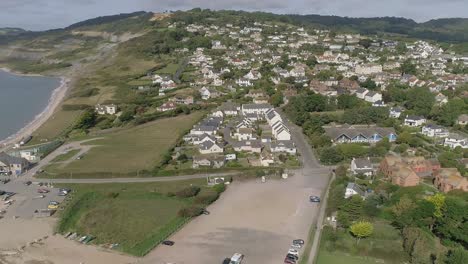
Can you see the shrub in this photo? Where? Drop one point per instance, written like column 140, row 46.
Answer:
column 191, row 211
column 219, row 188
column 207, row 198
column 188, row 192
column 113, row 195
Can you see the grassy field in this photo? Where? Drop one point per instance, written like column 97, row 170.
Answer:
column 325, row 257
column 128, row 151
column 384, row 246
column 134, row 215
column 57, row 123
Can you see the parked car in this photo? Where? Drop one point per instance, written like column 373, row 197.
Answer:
column 168, row 243
column 289, row 261
column 298, row 242
column 292, row 257
column 27, row 183
column 293, row 251
column 296, row 246
column 226, row 261
column 314, row 199
column 42, row 190
column 5, row 181
column 53, row 205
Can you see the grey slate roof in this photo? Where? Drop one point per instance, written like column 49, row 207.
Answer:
column 8, row 160
column 352, row 131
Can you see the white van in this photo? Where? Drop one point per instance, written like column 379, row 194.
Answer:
column 236, row 258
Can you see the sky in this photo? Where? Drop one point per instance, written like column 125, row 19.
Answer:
column 48, row 14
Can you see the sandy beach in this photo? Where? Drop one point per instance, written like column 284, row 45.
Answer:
column 56, row 98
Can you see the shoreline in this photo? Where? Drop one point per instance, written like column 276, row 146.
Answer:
column 57, row 96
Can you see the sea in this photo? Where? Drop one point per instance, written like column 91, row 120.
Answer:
column 22, row 98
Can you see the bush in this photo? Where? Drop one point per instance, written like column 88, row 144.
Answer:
column 171, row 194
column 219, row 188
column 188, row 192
column 191, row 211
column 113, row 195
column 207, row 198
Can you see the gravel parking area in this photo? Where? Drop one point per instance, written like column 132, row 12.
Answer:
column 27, row 199
column 259, row 220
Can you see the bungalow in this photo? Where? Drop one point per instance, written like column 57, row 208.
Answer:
column 167, row 106
column 208, row 147
column 284, row 146
column 248, row 146
column 362, row 166
column 456, row 140
column 203, row 129
column 10, row 165
column 448, row 179
column 354, row 189
column 215, row 161
column 432, row 130
column 359, row 133
column 462, row 120
column 414, row 121
column 199, row 139
column 110, row 109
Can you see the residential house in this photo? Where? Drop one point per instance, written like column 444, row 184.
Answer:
column 182, row 99
column 10, row 165
column 398, row 172
column 414, row 121
column 245, row 134
column 253, row 75
column 230, row 109
column 448, row 179
column 215, row 161
column 110, row 109
column 283, row 146
column 441, row 99
column 272, row 116
column 359, row 133
column 367, row 69
column 362, row 166
column 254, row 146
column 373, row 97
column 244, row 82
column 259, row 109
column 462, row 120
column 280, row 131
column 454, row 140
column 207, row 93
column 354, row 189
column 167, row 106
column 395, row 112
column 209, row 147
column 361, row 93
column 432, row 130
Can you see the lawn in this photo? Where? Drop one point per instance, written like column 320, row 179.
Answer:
column 384, row 245
column 134, row 215
column 128, row 152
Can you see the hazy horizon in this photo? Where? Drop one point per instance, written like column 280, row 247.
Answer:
column 50, row 14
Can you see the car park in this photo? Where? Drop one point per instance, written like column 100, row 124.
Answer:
column 168, row 243
column 314, row 199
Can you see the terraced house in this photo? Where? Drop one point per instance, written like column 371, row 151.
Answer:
column 10, row 165
column 359, row 133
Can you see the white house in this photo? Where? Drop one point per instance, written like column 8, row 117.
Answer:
column 283, row 146
column 244, row 82
column 354, row 189
column 208, row 147
column 414, row 121
column 367, row 69
column 110, row 109
column 432, row 130
column 395, row 112
column 362, row 166
column 280, row 131
column 272, row 116
column 373, row 97
column 361, row 93
column 456, row 140
column 259, row 109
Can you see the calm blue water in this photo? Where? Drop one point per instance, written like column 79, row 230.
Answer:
column 21, row 99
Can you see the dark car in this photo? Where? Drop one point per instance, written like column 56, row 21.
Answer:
column 205, row 212
column 289, row 261
column 226, row 261
column 168, row 243
column 292, row 257
column 298, row 242
column 2, row 192
column 314, row 199
column 5, row 181
column 27, row 183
